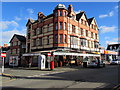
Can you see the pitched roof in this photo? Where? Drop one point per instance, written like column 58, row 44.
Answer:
column 79, row 15
column 49, row 16
column 19, row 37
column 90, row 20
column 31, row 21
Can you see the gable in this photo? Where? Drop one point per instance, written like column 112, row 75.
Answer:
column 83, row 17
column 28, row 23
column 94, row 23
column 14, row 38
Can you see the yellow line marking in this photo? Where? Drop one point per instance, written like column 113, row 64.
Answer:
column 5, row 74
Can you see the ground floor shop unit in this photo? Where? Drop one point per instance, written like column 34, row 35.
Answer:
column 60, row 58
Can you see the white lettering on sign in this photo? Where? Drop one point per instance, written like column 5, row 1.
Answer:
column 3, row 54
column 49, row 54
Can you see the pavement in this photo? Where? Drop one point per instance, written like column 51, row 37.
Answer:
column 34, row 71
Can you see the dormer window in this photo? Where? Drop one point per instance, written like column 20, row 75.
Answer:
column 81, row 21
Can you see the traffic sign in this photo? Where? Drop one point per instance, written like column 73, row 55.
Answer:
column 3, row 54
column 49, row 54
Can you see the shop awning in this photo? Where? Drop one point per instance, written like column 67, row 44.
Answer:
column 32, row 54
column 75, row 54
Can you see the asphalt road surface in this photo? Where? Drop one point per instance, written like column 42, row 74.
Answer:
column 83, row 78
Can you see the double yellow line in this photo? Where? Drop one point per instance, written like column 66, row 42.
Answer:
column 7, row 75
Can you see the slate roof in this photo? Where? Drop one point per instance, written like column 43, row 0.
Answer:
column 78, row 16
column 51, row 15
column 19, row 37
column 90, row 20
column 113, row 45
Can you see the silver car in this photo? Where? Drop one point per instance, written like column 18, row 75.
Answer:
column 116, row 61
column 96, row 63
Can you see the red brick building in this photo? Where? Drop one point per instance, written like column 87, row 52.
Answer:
column 17, row 48
column 63, row 33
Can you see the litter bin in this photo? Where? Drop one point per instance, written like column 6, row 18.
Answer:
column 52, row 65
column 84, row 64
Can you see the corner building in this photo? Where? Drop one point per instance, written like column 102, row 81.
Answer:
column 63, row 33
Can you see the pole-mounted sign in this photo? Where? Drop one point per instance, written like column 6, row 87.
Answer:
column 3, row 54
column 49, row 54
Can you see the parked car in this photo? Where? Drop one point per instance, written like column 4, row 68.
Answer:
column 115, row 61
column 96, row 63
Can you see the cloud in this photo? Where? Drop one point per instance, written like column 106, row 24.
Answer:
column 116, row 7
column 103, row 16
column 29, row 10
column 7, row 35
column 77, row 11
column 105, row 29
column 107, row 37
column 17, row 18
column 6, row 24
column 110, row 14
column 113, row 41
column 30, row 14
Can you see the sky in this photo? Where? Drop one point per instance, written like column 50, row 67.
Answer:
column 15, row 16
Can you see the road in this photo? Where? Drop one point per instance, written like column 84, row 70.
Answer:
column 82, row 78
